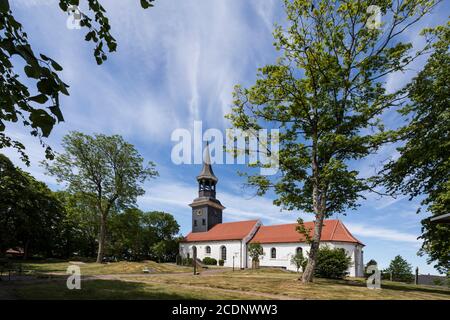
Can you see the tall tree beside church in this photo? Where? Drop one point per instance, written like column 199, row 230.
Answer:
column 326, row 96
column 424, row 163
column 106, row 169
column 37, row 106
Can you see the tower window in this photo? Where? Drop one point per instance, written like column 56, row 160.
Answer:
column 204, row 222
column 195, row 223
column 273, row 253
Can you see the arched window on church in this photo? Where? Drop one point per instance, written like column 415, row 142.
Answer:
column 299, row 250
column 223, row 253
column 273, row 253
column 208, row 250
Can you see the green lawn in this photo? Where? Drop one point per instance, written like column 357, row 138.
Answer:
column 116, row 289
column 43, row 268
column 125, row 280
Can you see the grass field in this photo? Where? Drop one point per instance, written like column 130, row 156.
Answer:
column 44, row 268
column 125, row 280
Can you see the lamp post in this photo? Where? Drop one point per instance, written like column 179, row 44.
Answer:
column 233, row 262
column 194, row 261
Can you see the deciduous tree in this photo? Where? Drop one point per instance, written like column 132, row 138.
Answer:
column 326, row 96
column 255, row 250
column 106, row 169
column 39, row 108
column 423, row 166
column 30, row 214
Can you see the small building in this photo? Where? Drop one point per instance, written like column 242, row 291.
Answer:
column 210, row 237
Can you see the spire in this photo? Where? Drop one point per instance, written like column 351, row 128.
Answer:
column 207, row 172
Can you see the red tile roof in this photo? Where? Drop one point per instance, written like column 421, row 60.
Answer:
column 333, row 230
column 224, row 231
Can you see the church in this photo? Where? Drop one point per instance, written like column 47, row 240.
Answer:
column 211, row 237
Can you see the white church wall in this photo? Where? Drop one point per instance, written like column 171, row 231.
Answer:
column 285, row 251
column 234, row 248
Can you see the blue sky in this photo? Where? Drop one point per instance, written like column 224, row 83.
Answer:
column 176, row 63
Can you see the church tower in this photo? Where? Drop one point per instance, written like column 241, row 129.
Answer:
column 206, row 209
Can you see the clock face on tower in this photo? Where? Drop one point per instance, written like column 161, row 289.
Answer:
column 198, row 212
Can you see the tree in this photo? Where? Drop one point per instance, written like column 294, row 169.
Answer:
column 400, row 270
column 163, row 224
column 371, row 262
column 80, row 226
column 332, row 263
column 325, row 96
column 105, row 169
column 162, row 229
column 423, row 166
column 30, row 214
column 298, row 260
column 255, row 250
column 41, row 111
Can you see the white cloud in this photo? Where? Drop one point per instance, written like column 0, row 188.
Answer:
column 380, row 233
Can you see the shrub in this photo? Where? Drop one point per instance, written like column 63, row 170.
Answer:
column 299, row 261
column 210, row 261
column 332, row 263
column 221, row 262
column 255, row 250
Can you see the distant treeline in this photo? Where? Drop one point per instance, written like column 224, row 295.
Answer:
column 62, row 224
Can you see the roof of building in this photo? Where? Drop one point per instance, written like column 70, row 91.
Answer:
column 443, row 218
column 333, row 230
column 224, row 231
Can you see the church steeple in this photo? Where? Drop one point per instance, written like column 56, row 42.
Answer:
column 207, row 181
column 206, row 209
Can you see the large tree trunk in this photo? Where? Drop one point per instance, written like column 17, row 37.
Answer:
column 101, row 239
column 308, row 273
column 318, row 198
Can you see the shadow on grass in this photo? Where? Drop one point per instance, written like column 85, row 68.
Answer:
column 96, row 290
column 392, row 286
column 411, row 288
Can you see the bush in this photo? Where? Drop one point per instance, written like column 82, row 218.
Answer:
column 221, row 262
column 332, row 263
column 210, row 261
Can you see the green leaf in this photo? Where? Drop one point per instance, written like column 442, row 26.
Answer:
column 57, row 112
column 41, row 119
column 4, row 6
column 146, row 4
column 44, row 57
column 46, row 86
column 40, row 98
column 56, row 66
column 32, row 71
